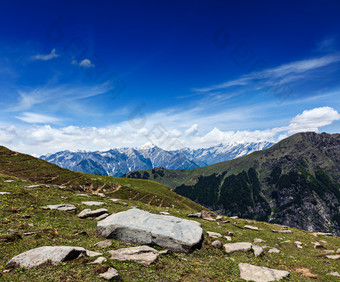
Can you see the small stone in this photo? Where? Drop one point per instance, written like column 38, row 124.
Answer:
column 4, row 193
column 230, row 233
column 228, row 238
column 237, row 247
column 114, row 200
column 11, row 231
column 333, row 256
column 9, row 181
column 274, row 250
column 326, row 252
column 219, row 217
column 338, row 251
column 92, row 254
column 198, row 215
column 257, row 240
column 251, row 227
column 92, row 213
column 336, row 274
column 63, row 197
column 82, row 195
column 103, row 244
column 164, row 252
column 251, row 272
column 298, row 243
column 317, row 245
column 234, row 217
column 214, row 234
column 217, row 244
column 287, row 241
column 258, row 250
column 208, row 215
column 109, row 274
column 103, row 216
column 91, row 203
column 282, row 231
column 165, row 213
column 60, row 207
column 230, row 258
column 29, row 233
column 99, row 260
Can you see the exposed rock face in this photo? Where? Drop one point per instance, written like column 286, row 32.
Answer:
column 38, row 256
column 61, row 207
column 141, row 227
column 251, row 272
column 142, row 254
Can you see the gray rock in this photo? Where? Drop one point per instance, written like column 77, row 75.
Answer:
column 333, row 256
column 103, row 244
column 164, row 252
column 326, row 252
column 338, row 251
column 141, row 227
column 336, row 274
column 92, row 254
column 274, row 250
column 103, row 216
column 142, row 254
column 257, row 240
column 251, row 227
column 9, row 181
column 109, row 274
column 217, row 244
column 165, row 213
column 258, row 250
column 114, row 200
column 230, row 233
column 61, row 207
column 38, row 256
column 251, row 272
column 237, row 247
column 214, row 234
column 92, row 213
column 228, row 238
column 99, row 260
column 4, row 193
column 82, row 195
column 91, row 203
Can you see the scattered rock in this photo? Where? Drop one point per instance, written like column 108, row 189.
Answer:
column 317, row 245
column 92, row 213
column 207, row 215
column 9, row 181
column 298, row 244
column 91, row 203
column 32, row 186
column 142, row 254
column 333, row 256
column 164, row 252
column 258, row 250
column 38, row 256
column 60, row 207
column 99, row 260
column 257, row 240
column 251, row 272
column 82, row 195
column 274, row 250
column 228, row 238
column 251, row 227
column 63, row 197
column 326, row 252
column 234, row 217
column 103, row 216
column 198, row 215
column 316, row 234
column 103, row 244
column 4, row 193
column 214, row 234
column 109, row 274
column 30, row 233
column 336, row 274
column 217, row 244
column 237, row 247
column 230, row 233
column 114, row 200
column 225, row 221
column 11, row 231
column 219, row 217
column 92, row 254
column 102, row 195
column 230, row 258
column 165, row 213
column 138, row 226
column 82, row 232
column 283, row 231
column 338, row 251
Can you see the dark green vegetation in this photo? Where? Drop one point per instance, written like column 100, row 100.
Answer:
column 295, row 182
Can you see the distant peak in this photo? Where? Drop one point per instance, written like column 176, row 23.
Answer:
column 148, row 146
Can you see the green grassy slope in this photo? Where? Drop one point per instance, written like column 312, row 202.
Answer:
column 39, row 171
column 21, row 211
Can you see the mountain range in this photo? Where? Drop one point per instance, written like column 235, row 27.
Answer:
column 295, row 182
column 119, row 161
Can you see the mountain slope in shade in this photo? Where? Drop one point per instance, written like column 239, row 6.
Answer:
column 295, row 182
column 117, row 162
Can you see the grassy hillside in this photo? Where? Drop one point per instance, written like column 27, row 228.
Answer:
column 21, row 211
column 39, row 171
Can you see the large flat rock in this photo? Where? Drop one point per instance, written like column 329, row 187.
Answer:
column 141, row 227
column 41, row 255
column 60, row 207
column 255, row 273
column 237, row 247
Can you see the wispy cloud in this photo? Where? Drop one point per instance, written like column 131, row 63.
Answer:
column 287, row 72
column 38, row 118
column 86, row 63
column 46, row 57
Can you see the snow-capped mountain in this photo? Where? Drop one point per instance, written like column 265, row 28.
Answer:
column 117, row 162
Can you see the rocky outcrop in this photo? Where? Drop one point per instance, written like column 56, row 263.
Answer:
column 141, row 227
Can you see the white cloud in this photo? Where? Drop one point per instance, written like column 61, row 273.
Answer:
column 40, row 139
column 37, row 118
column 47, row 57
column 86, row 63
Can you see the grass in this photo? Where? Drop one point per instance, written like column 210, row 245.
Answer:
column 22, row 208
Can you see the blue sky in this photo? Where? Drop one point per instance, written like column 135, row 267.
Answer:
column 94, row 75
